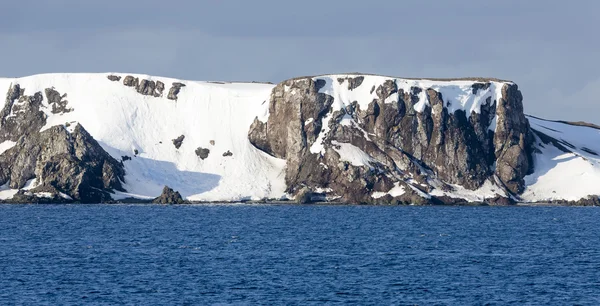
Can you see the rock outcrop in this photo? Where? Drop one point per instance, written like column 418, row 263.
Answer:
column 177, row 142
column 144, row 86
column 72, row 163
column 57, row 101
column 174, row 91
column 114, row 78
column 337, row 134
column 21, row 114
column 169, row 196
column 202, row 152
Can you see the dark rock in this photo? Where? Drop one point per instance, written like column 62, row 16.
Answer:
column 178, row 141
column 353, row 83
column 174, row 91
column 500, row 200
column 72, row 163
column 144, row 86
column 212, row 142
column 21, row 114
column 131, row 81
column 202, row 153
column 125, row 158
column 159, row 88
column 227, row 154
column 57, row 101
column 114, row 78
column 513, row 140
column 169, row 196
column 136, row 152
column 429, row 146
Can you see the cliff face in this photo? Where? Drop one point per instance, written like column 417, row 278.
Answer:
column 370, row 139
column 351, row 138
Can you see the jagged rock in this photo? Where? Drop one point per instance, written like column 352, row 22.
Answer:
column 169, row 196
column 114, row 78
column 159, row 88
column 202, row 152
column 57, row 101
column 353, row 83
column 131, row 81
column 227, row 154
column 146, row 87
column 403, row 144
column 72, row 163
column 21, row 114
column 177, row 142
column 212, row 142
column 174, row 91
column 125, row 158
column 513, row 141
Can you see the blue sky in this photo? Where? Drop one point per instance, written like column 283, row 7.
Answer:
column 550, row 48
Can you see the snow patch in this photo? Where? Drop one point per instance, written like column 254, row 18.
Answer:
column 6, row 145
column 396, row 191
column 352, row 154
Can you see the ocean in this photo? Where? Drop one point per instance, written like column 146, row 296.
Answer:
column 298, row 255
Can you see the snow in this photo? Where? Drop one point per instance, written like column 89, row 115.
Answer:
column 423, row 102
column 562, row 175
column 122, row 120
column 6, row 192
column 44, row 195
column 352, row 154
column 6, row 145
column 488, row 190
column 396, row 191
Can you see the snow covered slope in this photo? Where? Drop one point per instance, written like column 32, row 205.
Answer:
column 215, row 116
column 567, row 162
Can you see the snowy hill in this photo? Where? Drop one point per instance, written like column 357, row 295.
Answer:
column 567, row 162
column 397, row 139
column 124, row 121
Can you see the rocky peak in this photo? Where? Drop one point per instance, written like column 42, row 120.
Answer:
column 70, row 162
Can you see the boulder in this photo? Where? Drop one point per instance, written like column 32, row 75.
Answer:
column 202, row 152
column 169, row 196
column 177, row 142
column 174, row 91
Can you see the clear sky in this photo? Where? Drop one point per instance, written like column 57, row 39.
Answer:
column 550, row 48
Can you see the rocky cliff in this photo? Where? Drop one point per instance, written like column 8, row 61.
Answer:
column 351, row 138
column 364, row 138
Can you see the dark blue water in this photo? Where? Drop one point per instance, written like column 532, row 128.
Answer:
column 151, row 255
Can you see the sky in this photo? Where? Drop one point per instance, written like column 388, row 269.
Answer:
column 549, row 48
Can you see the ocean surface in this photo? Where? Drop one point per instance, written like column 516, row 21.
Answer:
column 298, row 255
